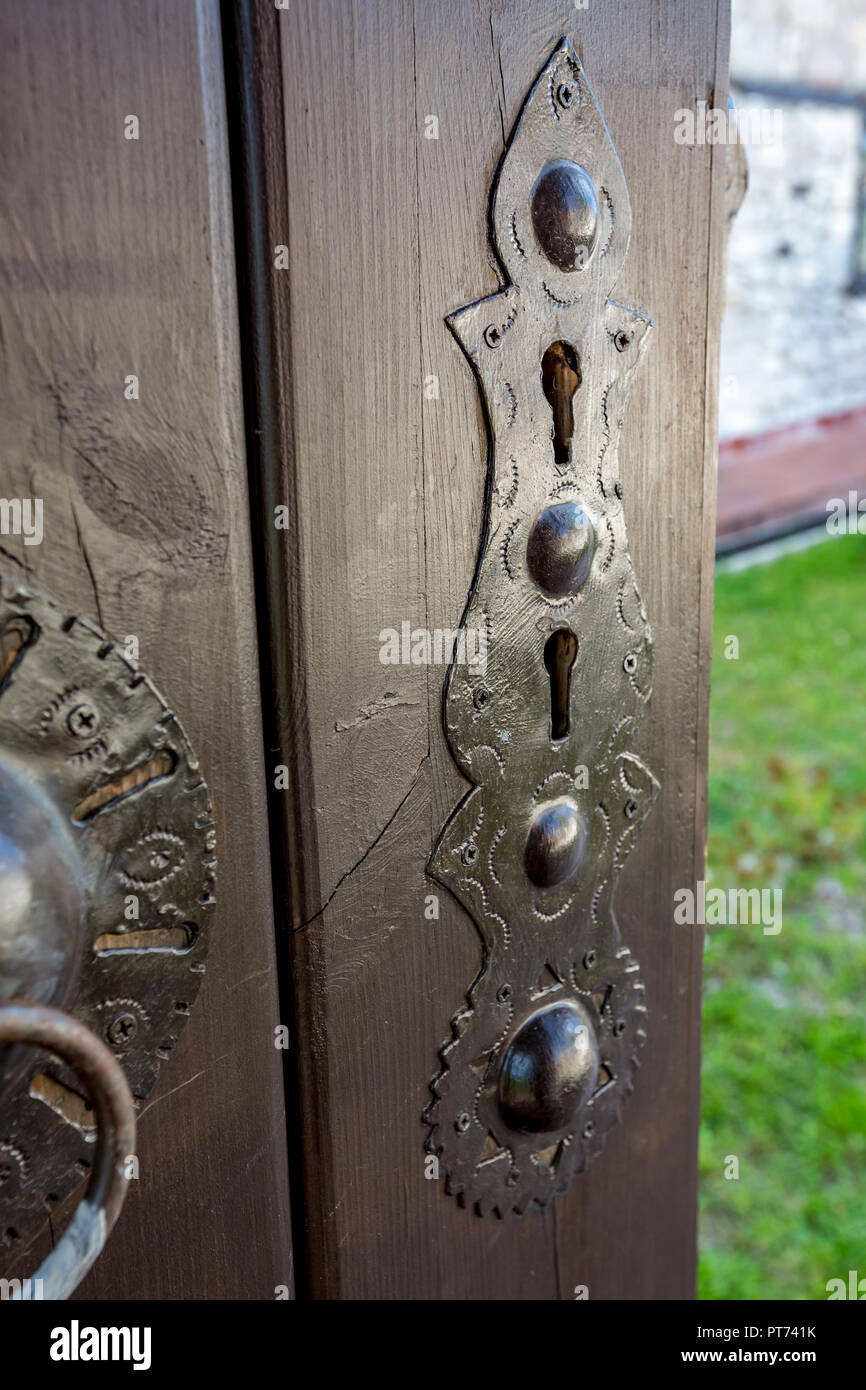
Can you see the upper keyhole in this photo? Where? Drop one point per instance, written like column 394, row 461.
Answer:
column 560, row 378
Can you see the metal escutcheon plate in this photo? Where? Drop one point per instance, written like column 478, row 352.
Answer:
column 107, row 857
column 544, row 1053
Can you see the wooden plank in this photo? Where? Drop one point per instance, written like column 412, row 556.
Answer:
column 117, row 258
column 387, row 232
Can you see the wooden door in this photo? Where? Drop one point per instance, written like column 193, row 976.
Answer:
column 384, row 233
column 117, row 260
column 273, row 257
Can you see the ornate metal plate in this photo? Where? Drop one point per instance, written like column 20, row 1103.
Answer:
column 544, row 1054
column 113, row 857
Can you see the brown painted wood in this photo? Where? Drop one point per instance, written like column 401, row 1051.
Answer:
column 387, row 232
column 116, row 257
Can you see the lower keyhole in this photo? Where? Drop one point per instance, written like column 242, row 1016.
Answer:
column 560, row 651
column 560, row 378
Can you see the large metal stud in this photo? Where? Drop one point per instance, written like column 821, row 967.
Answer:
column 564, row 207
column 550, row 1069
column 560, row 549
column 555, row 844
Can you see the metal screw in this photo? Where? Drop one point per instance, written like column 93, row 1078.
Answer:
column 565, row 95
column 622, row 340
column 513, row 1178
column 503, row 994
column 619, row 1028
column 461, row 1124
column 469, row 854
column 629, row 665
column 630, row 808
column 492, row 336
column 481, row 698
column 122, row 1029
column 588, row 1130
column 83, row 721
column 589, row 960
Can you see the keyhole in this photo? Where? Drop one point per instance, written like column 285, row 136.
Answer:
column 560, row 378
column 560, row 651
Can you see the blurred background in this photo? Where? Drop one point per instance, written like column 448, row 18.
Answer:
column 784, row 1071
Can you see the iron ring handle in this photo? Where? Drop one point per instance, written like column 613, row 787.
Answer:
column 22, row 1021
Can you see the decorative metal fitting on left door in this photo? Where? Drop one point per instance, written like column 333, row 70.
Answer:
column 544, row 1053
column 107, row 880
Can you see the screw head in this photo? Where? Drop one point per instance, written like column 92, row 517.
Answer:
column 492, row 335
column 630, row 808
column 83, row 720
column 469, row 854
column 629, row 665
column 565, row 95
column 589, row 960
column 122, row 1029
column 481, row 698
column 461, row 1124
column 588, row 1130
column 622, row 340
column 503, row 994
column 618, row 1028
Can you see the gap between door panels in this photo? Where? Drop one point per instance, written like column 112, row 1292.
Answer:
column 253, row 82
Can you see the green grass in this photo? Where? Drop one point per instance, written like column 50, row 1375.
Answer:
column 784, row 1034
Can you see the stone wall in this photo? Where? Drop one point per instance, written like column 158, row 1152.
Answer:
column 794, row 338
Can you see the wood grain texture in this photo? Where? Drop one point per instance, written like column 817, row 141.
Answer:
column 387, row 233
column 116, row 257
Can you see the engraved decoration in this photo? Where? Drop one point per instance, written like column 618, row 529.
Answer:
column 107, row 858
column 545, row 1050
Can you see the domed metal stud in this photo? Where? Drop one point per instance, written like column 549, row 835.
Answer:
column 550, row 1069
column 564, row 209
column 560, row 549
column 555, row 844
